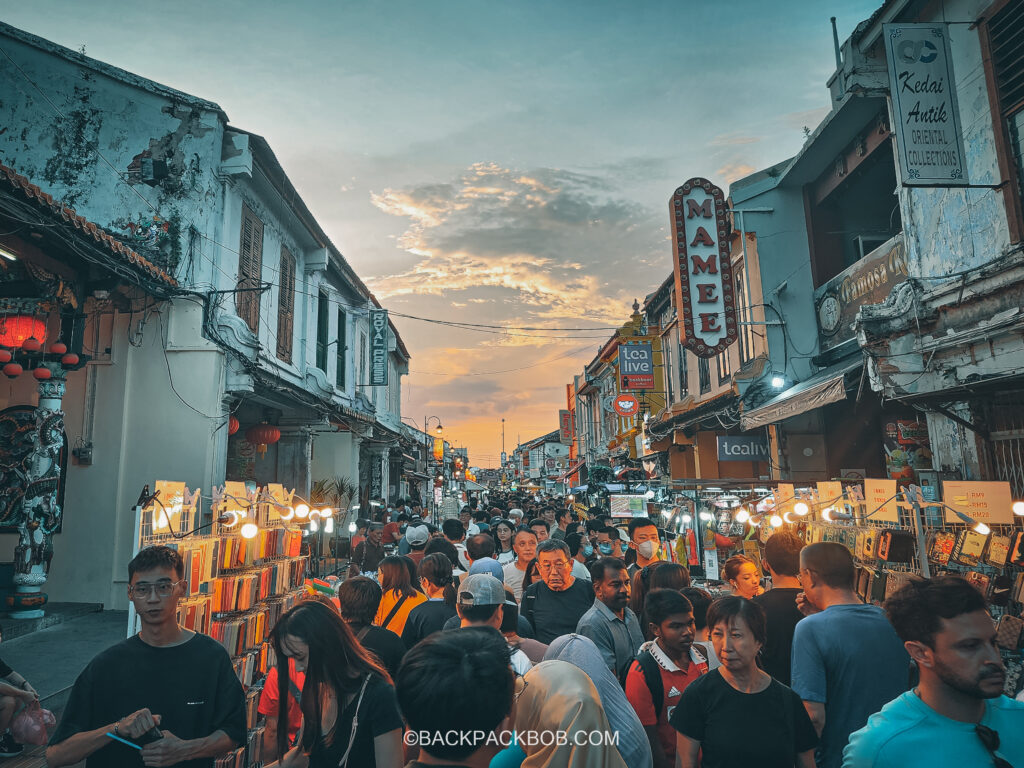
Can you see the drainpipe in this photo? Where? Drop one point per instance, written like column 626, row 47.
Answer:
column 839, row 58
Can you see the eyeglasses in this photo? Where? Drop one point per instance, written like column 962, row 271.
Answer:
column 990, row 739
column 520, row 687
column 559, row 564
column 162, row 588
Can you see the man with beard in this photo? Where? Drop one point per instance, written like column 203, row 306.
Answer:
column 957, row 715
column 610, row 623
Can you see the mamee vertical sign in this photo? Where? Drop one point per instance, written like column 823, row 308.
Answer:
column 565, row 427
column 927, row 120
column 378, row 347
column 636, row 366
column 704, row 285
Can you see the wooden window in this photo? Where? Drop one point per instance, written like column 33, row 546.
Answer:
column 286, row 306
column 744, row 315
column 724, row 365
column 339, row 376
column 1003, row 57
column 684, row 377
column 322, row 306
column 704, row 374
column 250, row 270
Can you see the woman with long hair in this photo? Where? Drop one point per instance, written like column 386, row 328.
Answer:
column 531, row 575
column 503, row 531
column 743, row 576
column 438, row 585
column 400, row 596
column 350, row 716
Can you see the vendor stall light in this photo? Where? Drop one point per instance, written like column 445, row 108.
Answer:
column 787, row 516
column 229, row 518
column 352, row 527
column 571, row 497
column 776, row 521
column 249, row 530
column 801, row 508
column 287, row 514
column 305, row 531
column 979, row 527
column 302, row 511
column 686, row 519
column 706, row 516
column 329, row 525
column 778, row 382
column 326, row 512
column 9, row 255
column 742, row 515
column 1018, row 508
column 314, row 526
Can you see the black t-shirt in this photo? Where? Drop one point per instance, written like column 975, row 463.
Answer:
column 524, row 630
column 192, row 686
column 4, row 669
column 553, row 614
column 378, row 714
column 782, row 615
column 426, row 619
column 773, row 725
column 385, row 645
column 367, row 556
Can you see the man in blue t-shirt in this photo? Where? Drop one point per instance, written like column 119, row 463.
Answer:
column 847, row 660
column 957, row 715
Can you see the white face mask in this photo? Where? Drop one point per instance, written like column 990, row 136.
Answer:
column 647, row 549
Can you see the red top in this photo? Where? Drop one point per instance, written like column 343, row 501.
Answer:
column 392, row 533
column 268, row 699
column 674, row 682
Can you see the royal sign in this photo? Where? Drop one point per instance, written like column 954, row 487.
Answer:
column 626, row 405
column 378, row 348
column 704, row 286
column 636, row 366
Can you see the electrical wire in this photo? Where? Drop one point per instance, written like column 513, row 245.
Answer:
column 507, row 370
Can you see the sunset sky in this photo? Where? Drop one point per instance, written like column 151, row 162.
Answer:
column 501, row 163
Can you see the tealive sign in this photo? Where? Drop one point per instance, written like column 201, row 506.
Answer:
column 704, row 286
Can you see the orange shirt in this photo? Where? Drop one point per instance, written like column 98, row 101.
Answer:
column 268, row 698
column 397, row 623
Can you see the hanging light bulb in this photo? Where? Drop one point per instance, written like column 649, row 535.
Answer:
column 801, row 508
column 314, row 526
column 826, row 514
column 1018, row 508
column 326, row 512
column 302, row 511
column 983, row 529
column 249, row 530
column 352, row 527
column 686, row 519
column 329, row 525
column 776, row 521
column 742, row 515
column 288, row 514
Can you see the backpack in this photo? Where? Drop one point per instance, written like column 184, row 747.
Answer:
column 652, row 675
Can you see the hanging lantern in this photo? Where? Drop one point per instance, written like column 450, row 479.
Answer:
column 262, row 435
column 5, row 355
column 31, row 344
column 42, row 373
column 15, row 330
column 13, row 370
column 233, row 425
column 69, row 359
column 58, row 348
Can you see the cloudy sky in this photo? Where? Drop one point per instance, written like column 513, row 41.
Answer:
column 500, row 163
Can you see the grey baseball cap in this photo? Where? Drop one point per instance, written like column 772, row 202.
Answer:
column 481, row 589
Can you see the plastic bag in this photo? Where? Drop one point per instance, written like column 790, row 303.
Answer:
column 30, row 725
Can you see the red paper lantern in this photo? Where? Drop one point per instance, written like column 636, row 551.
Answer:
column 13, row 370
column 15, row 329
column 5, row 356
column 69, row 359
column 233, row 425
column 58, row 348
column 42, row 373
column 262, row 435
column 31, row 344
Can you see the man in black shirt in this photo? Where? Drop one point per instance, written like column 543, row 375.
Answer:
column 15, row 693
column 165, row 677
column 360, row 597
column 555, row 605
column 370, row 551
column 782, row 557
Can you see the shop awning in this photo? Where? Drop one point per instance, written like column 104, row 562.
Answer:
column 827, row 386
column 572, row 470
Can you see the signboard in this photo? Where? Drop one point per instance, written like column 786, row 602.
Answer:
column 785, row 497
column 626, row 404
column 879, row 493
column 379, row 347
column 627, row 505
column 907, row 449
column 565, row 427
column 830, row 493
column 868, row 281
column 986, row 501
column 438, row 495
column 742, row 448
column 929, row 140
column 704, row 284
column 438, row 448
column 636, row 366
column 504, row 457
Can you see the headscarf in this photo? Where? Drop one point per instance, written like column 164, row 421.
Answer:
column 560, row 697
column 581, row 652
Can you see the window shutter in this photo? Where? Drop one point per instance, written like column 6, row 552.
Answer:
column 250, row 270
column 341, row 348
column 286, row 307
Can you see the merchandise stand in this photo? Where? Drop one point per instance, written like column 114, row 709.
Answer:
column 237, row 587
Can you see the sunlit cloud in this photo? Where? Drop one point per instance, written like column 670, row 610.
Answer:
column 730, row 172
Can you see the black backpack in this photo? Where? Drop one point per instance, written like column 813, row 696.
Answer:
column 652, row 675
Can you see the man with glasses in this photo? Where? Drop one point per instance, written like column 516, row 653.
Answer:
column 958, row 714
column 555, row 605
column 170, row 690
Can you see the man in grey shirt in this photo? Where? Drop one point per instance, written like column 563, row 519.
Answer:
column 610, row 623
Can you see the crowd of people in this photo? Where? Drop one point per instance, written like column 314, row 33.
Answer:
column 515, row 635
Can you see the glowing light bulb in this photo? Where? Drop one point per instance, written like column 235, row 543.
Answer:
column 776, row 521
column 314, row 526
column 826, row 514
column 233, row 516
column 329, row 525
column 326, row 512
column 983, row 529
column 742, row 515
column 289, row 516
column 302, row 511
column 352, row 527
column 249, row 530
column 786, row 516
column 1018, row 508
column 801, row 508
column 686, row 519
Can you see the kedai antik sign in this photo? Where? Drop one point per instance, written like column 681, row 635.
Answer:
column 704, row 285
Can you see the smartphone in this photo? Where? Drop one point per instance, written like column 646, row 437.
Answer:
column 153, row 734
column 510, row 617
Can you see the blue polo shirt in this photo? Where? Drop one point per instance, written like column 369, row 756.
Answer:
column 909, row 732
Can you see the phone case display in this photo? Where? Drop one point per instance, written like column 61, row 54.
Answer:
column 998, row 550
column 941, row 547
